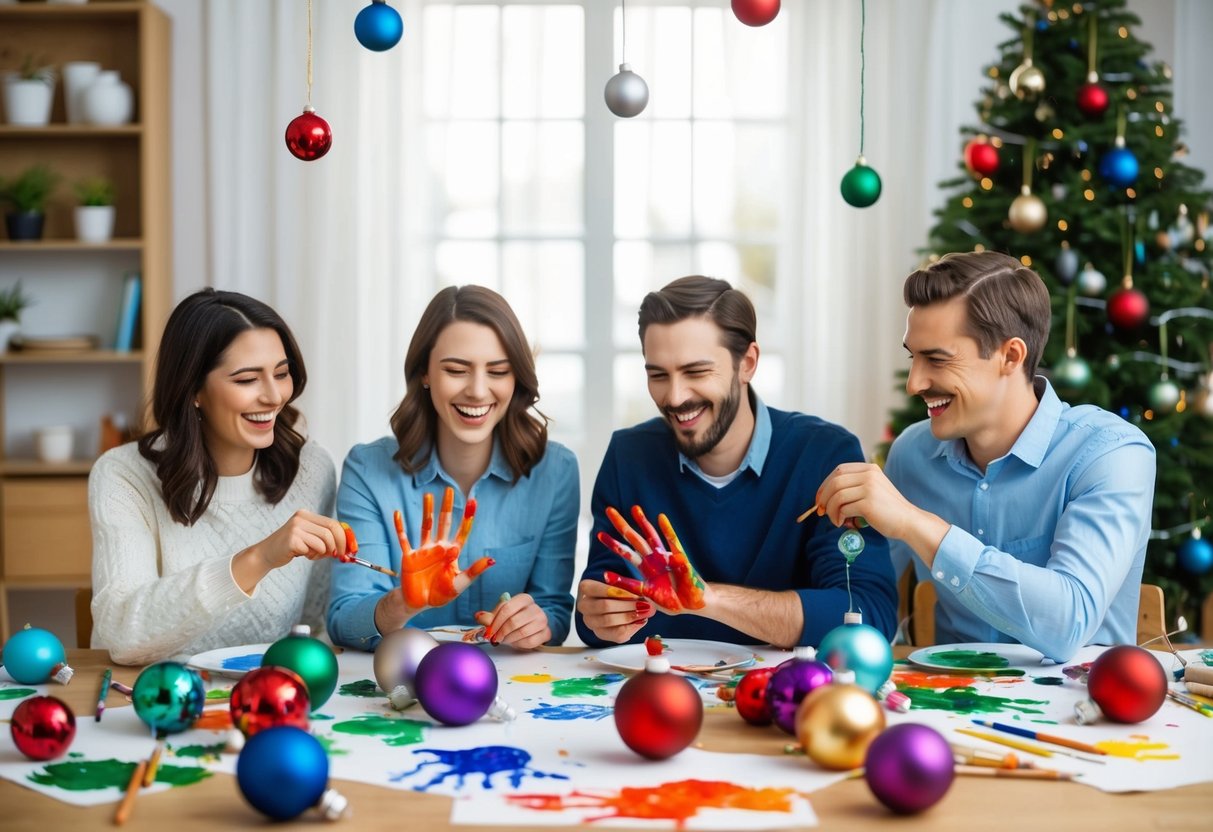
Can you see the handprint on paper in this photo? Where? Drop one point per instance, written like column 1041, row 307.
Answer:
column 430, row 575
column 669, row 580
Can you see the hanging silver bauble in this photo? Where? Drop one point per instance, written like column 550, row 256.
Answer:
column 1091, row 281
column 396, row 660
column 1163, row 395
column 1065, row 267
column 626, row 93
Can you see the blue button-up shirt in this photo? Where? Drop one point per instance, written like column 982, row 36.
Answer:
column 1047, row 545
column 529, row 528
column 756, row 454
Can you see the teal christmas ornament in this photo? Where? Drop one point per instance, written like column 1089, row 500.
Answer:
column 33, row 655
column 1196, row 555
column 851, row 544
column 168, row 697
column 858, row 647
column 1118, row 166
column 1071, row 372
column 861, row 185
column 283, row 771
column 378, row 27
column 313, row 660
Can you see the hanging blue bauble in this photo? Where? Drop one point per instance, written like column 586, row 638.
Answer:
column 1196, row 555
column 861, row 185
column 1119, row 167
column 33, row 655
column 378, row 27
column 1042, row 25
column 282, row 771
column 858, row 647
column 1139, row 252
column 168, row 697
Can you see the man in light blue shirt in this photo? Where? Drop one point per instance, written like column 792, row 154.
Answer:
column 1031, row 516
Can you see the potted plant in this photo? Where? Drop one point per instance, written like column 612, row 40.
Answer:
column 28, row 94
column 27, row 194
column 95, row 213
column 12, row 301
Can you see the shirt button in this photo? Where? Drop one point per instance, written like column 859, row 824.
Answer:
column 985, row 486
column 939, row 575
column 956, row 582
column 981, row 531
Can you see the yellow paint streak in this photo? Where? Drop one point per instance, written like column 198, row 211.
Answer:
column 534, row 678
column 1136, row 749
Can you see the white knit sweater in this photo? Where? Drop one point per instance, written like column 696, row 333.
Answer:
column 165, row 590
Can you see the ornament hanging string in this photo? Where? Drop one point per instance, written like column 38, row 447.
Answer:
column 623, row 27
column 309, row 53
column 1092, row 39
column 1071, row 338
column 1029, row 156
column 863, row 25
column 1126, row 254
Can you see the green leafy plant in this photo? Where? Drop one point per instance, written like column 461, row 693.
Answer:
column 94, row 191
column 34, row 69
column 12, row 301
column 28, row 191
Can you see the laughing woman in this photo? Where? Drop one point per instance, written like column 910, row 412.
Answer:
column 466, row 423
column 205, row 529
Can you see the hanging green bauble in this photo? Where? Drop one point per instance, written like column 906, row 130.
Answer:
column 1163, row 395
column 1071, row 373
column 313, row 660
column 861, row 185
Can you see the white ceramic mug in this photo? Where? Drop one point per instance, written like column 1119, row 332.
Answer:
column 54, row 443
column 77, row 76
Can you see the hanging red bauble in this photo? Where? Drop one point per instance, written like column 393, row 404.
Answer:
column 42, row 727
column 1127, row 683
column 308, row 136
column 657, row 713
column 751, row 696
column 267, row 697
column 1128, row 308
column 756, row 12
column 1092, row 100
column 981, row 157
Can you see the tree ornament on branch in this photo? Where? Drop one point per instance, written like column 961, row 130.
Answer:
column 981, row 157
column 1092, row 98
column 1027, row 213
column 1118, row 166
column 1027, row 81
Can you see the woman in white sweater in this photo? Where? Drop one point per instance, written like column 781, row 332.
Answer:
column 204, row 531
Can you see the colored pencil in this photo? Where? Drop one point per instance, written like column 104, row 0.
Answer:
column 1184, row 700
column 1039, row 736
column 101, row 694
column 971, row 754
column 132, row 788
column 125, row 690
column 1020, row 773
column 153, row 763
column 1008, row 742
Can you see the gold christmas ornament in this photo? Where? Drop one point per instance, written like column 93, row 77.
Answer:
column 1028, row 213
column 836, row 723
column 1027, row 81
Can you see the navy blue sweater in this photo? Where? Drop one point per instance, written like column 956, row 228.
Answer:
column 746, row 533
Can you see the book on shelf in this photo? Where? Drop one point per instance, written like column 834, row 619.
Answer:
column 128, row 313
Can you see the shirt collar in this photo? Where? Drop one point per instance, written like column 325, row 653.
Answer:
column 760, row 442
column 432, row 469
column 1033, row 442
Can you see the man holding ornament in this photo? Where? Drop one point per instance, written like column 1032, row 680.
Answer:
column 1031, row 516
column 729, row 474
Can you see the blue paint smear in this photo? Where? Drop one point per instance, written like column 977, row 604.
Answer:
column 570, row 711
column 485, row 760
column 252, row 661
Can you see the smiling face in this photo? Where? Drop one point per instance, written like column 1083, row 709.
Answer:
column 241, row 397
column 471, row 383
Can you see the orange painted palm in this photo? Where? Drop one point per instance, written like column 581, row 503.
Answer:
column 669, row 579
column 429, row 574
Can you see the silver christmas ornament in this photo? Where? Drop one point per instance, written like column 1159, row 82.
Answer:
column 1091, row 281
column 396, row 660
column 626, row 93
column 1066, row 265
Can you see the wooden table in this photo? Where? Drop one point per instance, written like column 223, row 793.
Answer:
column 972, row 803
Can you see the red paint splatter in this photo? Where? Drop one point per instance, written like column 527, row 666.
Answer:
column 677, row 801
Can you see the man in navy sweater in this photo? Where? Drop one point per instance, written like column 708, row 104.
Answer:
column 732, row 475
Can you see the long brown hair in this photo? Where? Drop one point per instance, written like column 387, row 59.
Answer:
column 197, row 334
column 523, row 434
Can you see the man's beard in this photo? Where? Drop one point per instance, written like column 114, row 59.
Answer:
column 724, row 412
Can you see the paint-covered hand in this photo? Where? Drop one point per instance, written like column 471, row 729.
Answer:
column 669, row 580
column 429, row 574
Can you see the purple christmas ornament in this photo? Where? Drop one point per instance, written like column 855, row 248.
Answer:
column 791, row 682
column 909, row 767
column 456, row 683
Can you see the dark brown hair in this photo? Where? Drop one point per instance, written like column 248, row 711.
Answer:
column 197, row 334
column 523, row 434
column 697, row 296
column 1003, row 299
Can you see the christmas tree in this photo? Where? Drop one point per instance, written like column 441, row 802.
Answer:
column 1077, row 169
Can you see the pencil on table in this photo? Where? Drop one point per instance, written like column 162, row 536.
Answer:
column 125, row 690
column 1007, row 741
column 153, row 763
column 132, row 788
column 102, row 693
column 1020, row 773
column 1039, row 736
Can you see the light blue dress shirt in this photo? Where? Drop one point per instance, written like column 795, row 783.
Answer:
column 529, row 528
column 755, row 455
column 1047, row 546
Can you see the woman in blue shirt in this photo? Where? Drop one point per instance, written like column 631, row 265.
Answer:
column 467, row 421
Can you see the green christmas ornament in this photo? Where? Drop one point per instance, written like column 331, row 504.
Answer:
column 861, row 185
column 313, row 660
column 168, row 697
column 851, row 544
column 1163, row 395
column 1071, row 373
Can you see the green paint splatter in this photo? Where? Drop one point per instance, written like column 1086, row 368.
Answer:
column 74, row 754
column 363, row 687
column 199, row 751
column 219, row 693
column 316, row 716
column 15, row 693
column 1206, row 656
column 1047, row 680
column 90, row 775
column 967, row 701
column 393, row 731
column 584, row 685
column 967, row 659
column 330, row 745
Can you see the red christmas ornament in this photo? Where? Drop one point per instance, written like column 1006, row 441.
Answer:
column 751, row 696
column 1127, row 683
column 658, row 714
column 981, row 157
column 1128, row 308
column 756, row 12
column 1092, row 100
column 43, row 727
column 268, row 697
column 308, row 137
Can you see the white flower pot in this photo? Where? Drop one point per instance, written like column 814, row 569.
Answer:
column 108, row 101
column 27, row 103
column 54, row 444
column 95, row 223
column 77, row 77
column 7, row 330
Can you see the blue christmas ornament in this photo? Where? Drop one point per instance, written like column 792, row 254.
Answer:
column 378, row 27
column 859, row 647
column 1139, row 252
column 1119, row 167
column 169, row 697
column 282, row 771
column 1196, row 555
column 33, row 655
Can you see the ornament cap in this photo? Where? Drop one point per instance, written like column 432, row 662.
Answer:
column 1119, row 141
column 400, row 697
column 1086, row 712
column 1092, row 77
column 309, row 109
column 844, row 677
column 301, row 630
column 62, row 674
column 1196, row 533
column 625, row 67
column 1025, row 190
column 852, row 618
column 804, row 653
column 501, row 710
column 656, row 664
column 235, row 741
column 884, row 690
column 333, row 805
column 860, row 161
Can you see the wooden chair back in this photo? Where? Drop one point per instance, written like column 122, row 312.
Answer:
column 84, row 616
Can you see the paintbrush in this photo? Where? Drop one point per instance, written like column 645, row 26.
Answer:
column 1038, row 750
column 1039, row 736
column 383, row 570
column 153, row 763
column 351, row 548
column 1020, row 773
column 1188, row 701
column 805, row 516
column 132, row 788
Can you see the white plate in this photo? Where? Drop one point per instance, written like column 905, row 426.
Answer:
column 702, row 656
column 232, row 662
column 976, row 657
column 458, row 632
